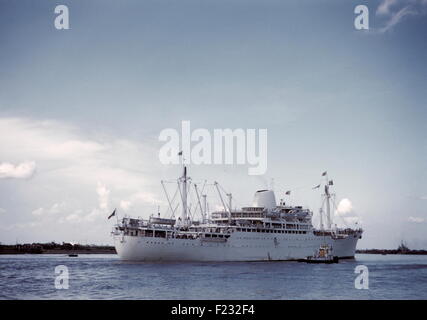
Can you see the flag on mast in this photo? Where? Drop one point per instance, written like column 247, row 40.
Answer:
column 112, row 215
column 324, row 173
column 288, row 193
column 180, row 153
column 317, row 187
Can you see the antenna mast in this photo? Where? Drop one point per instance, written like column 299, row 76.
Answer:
column 321, row 218
column 230, row 200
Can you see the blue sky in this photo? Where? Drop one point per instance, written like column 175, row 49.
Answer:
column 83, row 107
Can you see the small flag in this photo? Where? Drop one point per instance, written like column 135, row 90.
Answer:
column 288, row 193
column 324, row 173
column 331, row 182
column 112, row 215
column 317, row 187
column 180, row 153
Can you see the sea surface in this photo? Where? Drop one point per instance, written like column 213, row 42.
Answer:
column 99, row 276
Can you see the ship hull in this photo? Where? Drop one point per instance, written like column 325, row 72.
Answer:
column 239, row 247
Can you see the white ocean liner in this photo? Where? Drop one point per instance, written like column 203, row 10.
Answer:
column 263, row 231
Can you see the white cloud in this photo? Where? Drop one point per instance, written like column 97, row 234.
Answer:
column 22, row 226
column 396, row 11
column 103, row 196
column 352, row 220
column 345, row 211
column 94, row 214
column 86, row 173
column 38, row 212
column 218, row 207
column 344, row 207
column 385, row 6
column 146, row 197
column 23, row 170
column 103, row 203
column 72, row 148
column 74, row 217
column 416, row 219
column 68, row 153
column 56, row 208
column 141, row 200
column 398, row 17
column 125, row 205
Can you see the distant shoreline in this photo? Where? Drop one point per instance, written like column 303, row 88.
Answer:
column 391, row 251
column 66, row 252
column 54, row 248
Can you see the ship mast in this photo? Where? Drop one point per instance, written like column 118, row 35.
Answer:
column 326, row 200
column 205, row 208
column 328, row 205
column 184, row 196
column 230, row 203
column 321, row 218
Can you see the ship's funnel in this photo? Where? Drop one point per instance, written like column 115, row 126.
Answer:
column 265, row 199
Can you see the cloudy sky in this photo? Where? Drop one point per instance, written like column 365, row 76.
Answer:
column 81, row 110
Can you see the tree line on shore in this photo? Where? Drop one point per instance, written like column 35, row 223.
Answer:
column 402, row 249
column 53, row 247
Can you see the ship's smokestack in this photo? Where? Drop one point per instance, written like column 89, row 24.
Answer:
column 265, row 199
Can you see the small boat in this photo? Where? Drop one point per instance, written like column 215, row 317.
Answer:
column 323, row 255
column 73, row 255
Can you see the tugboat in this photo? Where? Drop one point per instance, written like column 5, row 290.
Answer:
column 323, row 255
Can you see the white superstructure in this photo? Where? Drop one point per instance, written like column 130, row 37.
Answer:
column 264, row 231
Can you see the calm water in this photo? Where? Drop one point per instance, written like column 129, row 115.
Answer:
column 106, row 277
